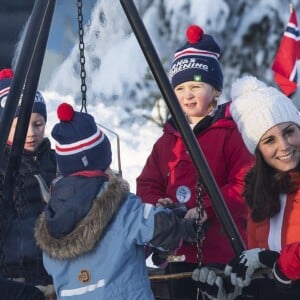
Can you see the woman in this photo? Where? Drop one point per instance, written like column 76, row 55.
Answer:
column 270, row 127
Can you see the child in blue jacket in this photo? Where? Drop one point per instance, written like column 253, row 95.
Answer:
column 93, row 230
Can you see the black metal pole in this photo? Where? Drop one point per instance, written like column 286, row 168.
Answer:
column 191, row 143
column 25, row 83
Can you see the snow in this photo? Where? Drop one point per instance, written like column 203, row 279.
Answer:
column 135, row 142
column 114, row 65
column 117, row 67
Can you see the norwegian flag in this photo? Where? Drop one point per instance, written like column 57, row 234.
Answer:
column 284, row 65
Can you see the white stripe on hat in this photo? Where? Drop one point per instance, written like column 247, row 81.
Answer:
column 4, row 92
column 82, row 145
column 195, row 52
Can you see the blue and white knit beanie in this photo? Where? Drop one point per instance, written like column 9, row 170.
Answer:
column 197, row 60
column 80, row 144
column 257, row 107
column 6, row 78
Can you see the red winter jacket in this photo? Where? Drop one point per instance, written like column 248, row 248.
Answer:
column 281, row 233
column 169, row 172
column 289, row 261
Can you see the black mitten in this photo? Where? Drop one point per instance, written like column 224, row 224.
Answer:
column 160, row 258
column 178, row 209
column 268, row 257
column 242, row 267
column 189, row 230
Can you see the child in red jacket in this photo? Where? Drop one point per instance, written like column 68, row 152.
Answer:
column 169, row 175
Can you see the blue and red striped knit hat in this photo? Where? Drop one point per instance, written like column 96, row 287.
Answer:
column 80, row 144
column 6, row 78
column 197, row 60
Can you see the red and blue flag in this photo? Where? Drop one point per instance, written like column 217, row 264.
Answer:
column 285, row 62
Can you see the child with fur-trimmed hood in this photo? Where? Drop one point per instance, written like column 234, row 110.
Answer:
column 93, row 230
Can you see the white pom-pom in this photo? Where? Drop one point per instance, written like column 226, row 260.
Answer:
column 245, row 85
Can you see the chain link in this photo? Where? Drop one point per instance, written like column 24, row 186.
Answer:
column 82, row 56
column 200, row 231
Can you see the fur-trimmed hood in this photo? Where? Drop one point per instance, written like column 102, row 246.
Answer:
column 89, row 230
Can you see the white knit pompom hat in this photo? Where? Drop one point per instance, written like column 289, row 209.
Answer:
column 256, row 108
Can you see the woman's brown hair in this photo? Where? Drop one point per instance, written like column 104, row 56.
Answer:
column 264, row 185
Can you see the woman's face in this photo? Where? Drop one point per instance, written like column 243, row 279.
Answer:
column 35, row 132
column 195, row 99
column 280, row 146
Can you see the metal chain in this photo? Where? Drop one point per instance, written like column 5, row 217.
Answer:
column 200, row 231
column 200, row 210
column 82, row 56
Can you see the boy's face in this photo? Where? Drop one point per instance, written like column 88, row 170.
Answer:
column 35, row 132
column 195, row 99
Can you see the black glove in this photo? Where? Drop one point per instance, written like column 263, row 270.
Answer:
column 268, row 257
column 160, row 258
column 281, row 280
column 191, row 232
column 178, row 209
column 241, row 268
column 215, row 286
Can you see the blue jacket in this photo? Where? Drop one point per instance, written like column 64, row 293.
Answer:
column 100, row 255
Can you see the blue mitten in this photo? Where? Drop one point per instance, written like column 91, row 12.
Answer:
column 242, row 267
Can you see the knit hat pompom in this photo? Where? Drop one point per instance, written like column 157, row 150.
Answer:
column 194, row 34
column 245, row 85
column 65, row 112
column 6, row 73
column 257, row 107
